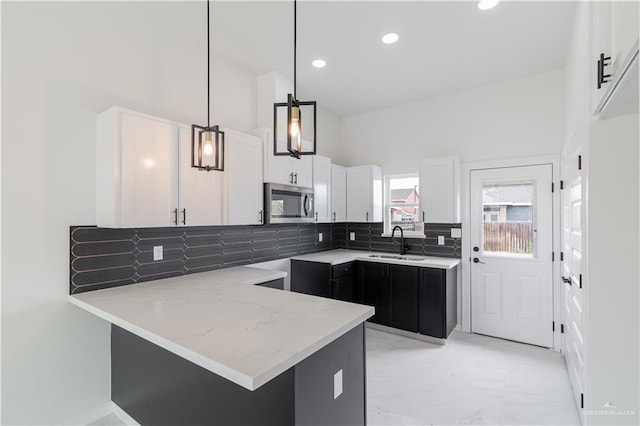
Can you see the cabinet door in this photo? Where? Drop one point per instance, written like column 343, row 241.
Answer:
column 322, row 188
column 199, row 191
column 311, row 278
column 276, row 168
column 403, row 306
column 149, row 171
column 440, row 190
column 372, row 283
column 343, row 288
column 302, row 169
column 243, row 179
column 338, row 193
column 432, row 303
column 359, row 194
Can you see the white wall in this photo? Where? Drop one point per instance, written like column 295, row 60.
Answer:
column 62, row 63
column 518, row 118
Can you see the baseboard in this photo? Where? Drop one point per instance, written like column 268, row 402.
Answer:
column 90, row 416
column 404, row 333
column 123, row 415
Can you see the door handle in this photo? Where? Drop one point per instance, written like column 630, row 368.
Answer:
column 184, row 216
column 316, row 216
column 423, row 215
column 175, row 216
column 367, row 216
column 566, row 280
column 291, row 178
column 476, row 260
column 334, row 216
column 260, row 216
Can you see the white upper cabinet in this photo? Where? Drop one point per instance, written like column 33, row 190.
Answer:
column 364, row 194
column 243, row 200
column 284, row 169
column 615, row 32
column 440, row 190
column 338, row 193
column 200, row 191
column 137, row 170
column 322, row 188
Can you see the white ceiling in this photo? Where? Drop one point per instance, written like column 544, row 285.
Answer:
column 444, row 46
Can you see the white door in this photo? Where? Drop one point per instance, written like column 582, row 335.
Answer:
column 149, row 169
column 511, row 240
column 322, row 188
column 338, row 193
column 243, row 179
column 359, row 194
column 573, row 344
column 200, row 191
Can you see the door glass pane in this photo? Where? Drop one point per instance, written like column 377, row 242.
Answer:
column 508, row 228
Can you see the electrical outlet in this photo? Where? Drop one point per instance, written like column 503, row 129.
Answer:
column 456, row 233
column 158, row 253
column 440, row 240
column 337, row 384
column 319, row 237
column 352, row 236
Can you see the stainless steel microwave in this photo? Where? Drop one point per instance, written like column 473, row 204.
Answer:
column 288, row 203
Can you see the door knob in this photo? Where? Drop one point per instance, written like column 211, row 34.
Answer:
column 476, row 260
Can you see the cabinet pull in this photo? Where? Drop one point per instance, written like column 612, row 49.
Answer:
column 260, row 216
column 291, row 178
column 423, row 215
column 175, row 216
column 184, row 216
column 295, row 175
column 316, row 216
column 334, row 216
column 367, row 216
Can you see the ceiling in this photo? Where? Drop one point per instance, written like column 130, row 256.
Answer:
column 444, row 46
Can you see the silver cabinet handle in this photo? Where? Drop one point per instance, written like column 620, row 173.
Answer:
column 316, row 216
column 291, row 178
column 175, row 216
column 260, row 216
column 295, row 175
column 367, row 216
column 334, row 216
column 184, row 216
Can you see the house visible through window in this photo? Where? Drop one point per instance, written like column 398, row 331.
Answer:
column 402, row 198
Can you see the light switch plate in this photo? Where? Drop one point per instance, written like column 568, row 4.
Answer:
column 320, row 237
column 352, row 236
column 456, row 233
column 158, row 254
column 440, row 240
column 337, row 384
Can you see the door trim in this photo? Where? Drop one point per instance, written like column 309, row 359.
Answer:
column 465, row 293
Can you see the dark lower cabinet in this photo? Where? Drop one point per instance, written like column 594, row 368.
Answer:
column 322, row 279
column 373, row 290
column 437, row 302
column 342, row 288
column 403, row 297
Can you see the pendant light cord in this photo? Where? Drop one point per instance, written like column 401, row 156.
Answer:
column 295, row 35
column 208, row 71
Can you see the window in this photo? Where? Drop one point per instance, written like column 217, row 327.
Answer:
column 402, row 204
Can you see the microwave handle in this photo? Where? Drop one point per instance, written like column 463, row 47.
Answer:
column 307, row 205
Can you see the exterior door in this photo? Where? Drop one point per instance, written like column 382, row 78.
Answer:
column 572, row 292
column 511, row 250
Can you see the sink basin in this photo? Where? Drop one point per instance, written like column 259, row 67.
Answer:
column 397, row 257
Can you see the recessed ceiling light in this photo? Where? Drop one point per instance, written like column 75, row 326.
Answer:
column 487, row 4
column 390, row 38
column 319, row 63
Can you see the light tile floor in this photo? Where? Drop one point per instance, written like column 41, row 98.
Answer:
column 473, row 379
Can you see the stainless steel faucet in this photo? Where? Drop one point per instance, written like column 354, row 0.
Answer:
column 393, row 232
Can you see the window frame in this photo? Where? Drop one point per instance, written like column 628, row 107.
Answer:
column 387, row 205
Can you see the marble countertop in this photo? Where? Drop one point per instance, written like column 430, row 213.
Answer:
column 220, row 321
column 336, row 257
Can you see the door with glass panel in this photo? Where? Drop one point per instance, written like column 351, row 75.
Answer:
column 511, row 249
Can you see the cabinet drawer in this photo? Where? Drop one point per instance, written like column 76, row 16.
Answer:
column 343, row 269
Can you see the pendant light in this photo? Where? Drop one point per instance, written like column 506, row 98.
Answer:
column 300, row 116
column 207, row 143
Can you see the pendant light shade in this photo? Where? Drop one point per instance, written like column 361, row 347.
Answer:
column 294, row 121
column 207, row 142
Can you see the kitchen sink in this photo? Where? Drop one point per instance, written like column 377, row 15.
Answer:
column 397, row 257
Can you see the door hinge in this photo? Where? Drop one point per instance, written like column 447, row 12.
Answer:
column 561, row 256
column 561, row 184
column 580, row 279
column 562, row 328
column 581, row 400
column 553, row 326
column 579, row 162
column 553, row 256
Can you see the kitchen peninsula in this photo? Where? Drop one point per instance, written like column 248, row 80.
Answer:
column 215, row 348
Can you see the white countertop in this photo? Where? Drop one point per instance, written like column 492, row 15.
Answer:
column 218, row 320
column 336, row 257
